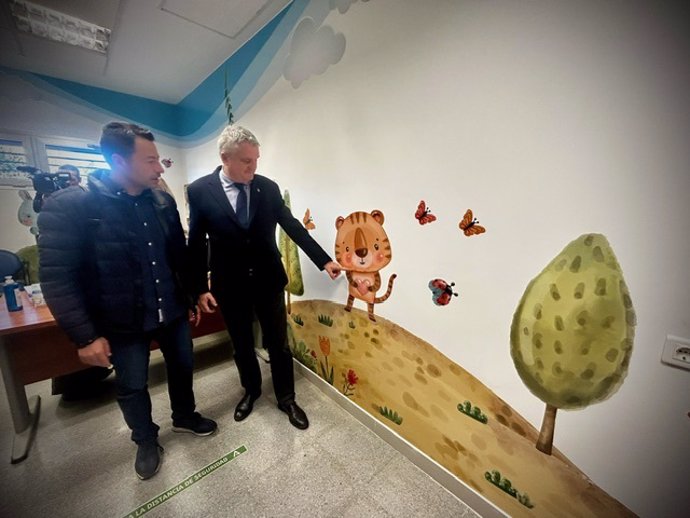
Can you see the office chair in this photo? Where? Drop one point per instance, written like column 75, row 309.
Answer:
column 11, row 264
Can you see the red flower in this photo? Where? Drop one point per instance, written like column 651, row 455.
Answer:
column 313, row 353
column 352, row 378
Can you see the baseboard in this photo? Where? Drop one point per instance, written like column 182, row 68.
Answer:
column 445, row 478
column 212, row 339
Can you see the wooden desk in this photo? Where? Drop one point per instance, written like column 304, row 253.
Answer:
column 34, row 348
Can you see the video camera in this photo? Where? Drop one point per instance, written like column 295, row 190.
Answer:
column 46, row 183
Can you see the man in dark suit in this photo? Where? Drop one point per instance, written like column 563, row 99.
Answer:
column 238, row 211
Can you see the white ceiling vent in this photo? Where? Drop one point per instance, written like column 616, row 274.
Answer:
column 57, row 26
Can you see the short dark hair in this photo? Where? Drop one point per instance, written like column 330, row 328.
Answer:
column 118, row 138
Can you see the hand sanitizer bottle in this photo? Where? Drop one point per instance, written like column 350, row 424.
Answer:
column 12, row 295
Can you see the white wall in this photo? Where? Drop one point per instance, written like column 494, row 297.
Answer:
column 549, row 120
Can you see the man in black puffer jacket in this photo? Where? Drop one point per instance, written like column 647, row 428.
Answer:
column 113, row 269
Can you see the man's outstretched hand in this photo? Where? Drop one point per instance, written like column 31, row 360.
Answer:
column 333, row 269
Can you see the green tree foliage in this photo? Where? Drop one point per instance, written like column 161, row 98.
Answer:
column 572, row 332
column 290, row 256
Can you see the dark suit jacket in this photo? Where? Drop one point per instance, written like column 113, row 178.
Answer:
column 242, row 260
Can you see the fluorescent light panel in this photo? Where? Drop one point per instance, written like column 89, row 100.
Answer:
column 54, row 25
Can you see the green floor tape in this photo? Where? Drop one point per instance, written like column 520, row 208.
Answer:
column 189, row 481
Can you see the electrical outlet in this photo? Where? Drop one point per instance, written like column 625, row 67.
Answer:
column 676, row 352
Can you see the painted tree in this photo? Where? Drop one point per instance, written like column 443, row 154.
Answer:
column 290, row 256
column 572, row 332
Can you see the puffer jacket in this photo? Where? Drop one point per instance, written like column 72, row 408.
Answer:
column 90, row 268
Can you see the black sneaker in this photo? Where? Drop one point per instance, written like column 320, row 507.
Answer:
column 148, row 459
column 196, row 424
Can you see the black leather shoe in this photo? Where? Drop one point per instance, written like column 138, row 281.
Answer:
column 148, row 459
column 297, row 417
column 245, row 406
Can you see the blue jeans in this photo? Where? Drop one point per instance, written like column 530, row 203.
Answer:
column 130, row 357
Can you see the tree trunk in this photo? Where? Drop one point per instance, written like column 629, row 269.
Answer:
column 288, row 306
column 548, row 425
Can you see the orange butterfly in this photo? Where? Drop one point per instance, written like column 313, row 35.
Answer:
column 308, row 221
column 469, row 225
column 423, row 215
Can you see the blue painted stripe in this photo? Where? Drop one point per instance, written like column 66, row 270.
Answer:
column 193, row 112
column 203, row 101
column 146, row 111
column 245, row 86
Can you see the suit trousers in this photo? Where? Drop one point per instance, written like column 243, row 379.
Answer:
column 238, row 314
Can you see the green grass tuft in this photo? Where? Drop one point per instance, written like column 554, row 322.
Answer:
column 303, row 355
column 298, row 320
column 473, row 412
column 390, row 414
column 506, row 485
column 325, row 320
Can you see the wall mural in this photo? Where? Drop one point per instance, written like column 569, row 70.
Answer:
column 362, row 249
column 291, row 263
column 441, row 291
column 312, row 50
column 470, row 225
column 308, row 220
column 571, row 341
column 571, row 336
column 343, row 5
column 572, row 333
column 423, row 214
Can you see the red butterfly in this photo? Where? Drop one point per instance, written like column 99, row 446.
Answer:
column 469, row 225
column 423, row 215
column 441, row 292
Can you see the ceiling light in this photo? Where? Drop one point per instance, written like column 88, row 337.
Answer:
column 54, row 25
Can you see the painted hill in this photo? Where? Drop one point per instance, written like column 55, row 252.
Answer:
column 443, row 410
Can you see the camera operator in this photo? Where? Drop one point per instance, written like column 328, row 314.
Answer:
column 74, row 175
column 46, row 184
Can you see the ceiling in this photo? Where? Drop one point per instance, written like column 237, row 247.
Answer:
column 159, row 49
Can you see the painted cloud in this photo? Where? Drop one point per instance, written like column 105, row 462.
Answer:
column 312, row 51
column 343, row 5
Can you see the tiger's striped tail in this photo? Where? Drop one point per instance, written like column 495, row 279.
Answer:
column 385, row 296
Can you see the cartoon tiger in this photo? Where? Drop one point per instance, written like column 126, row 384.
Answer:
column 362, row 249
